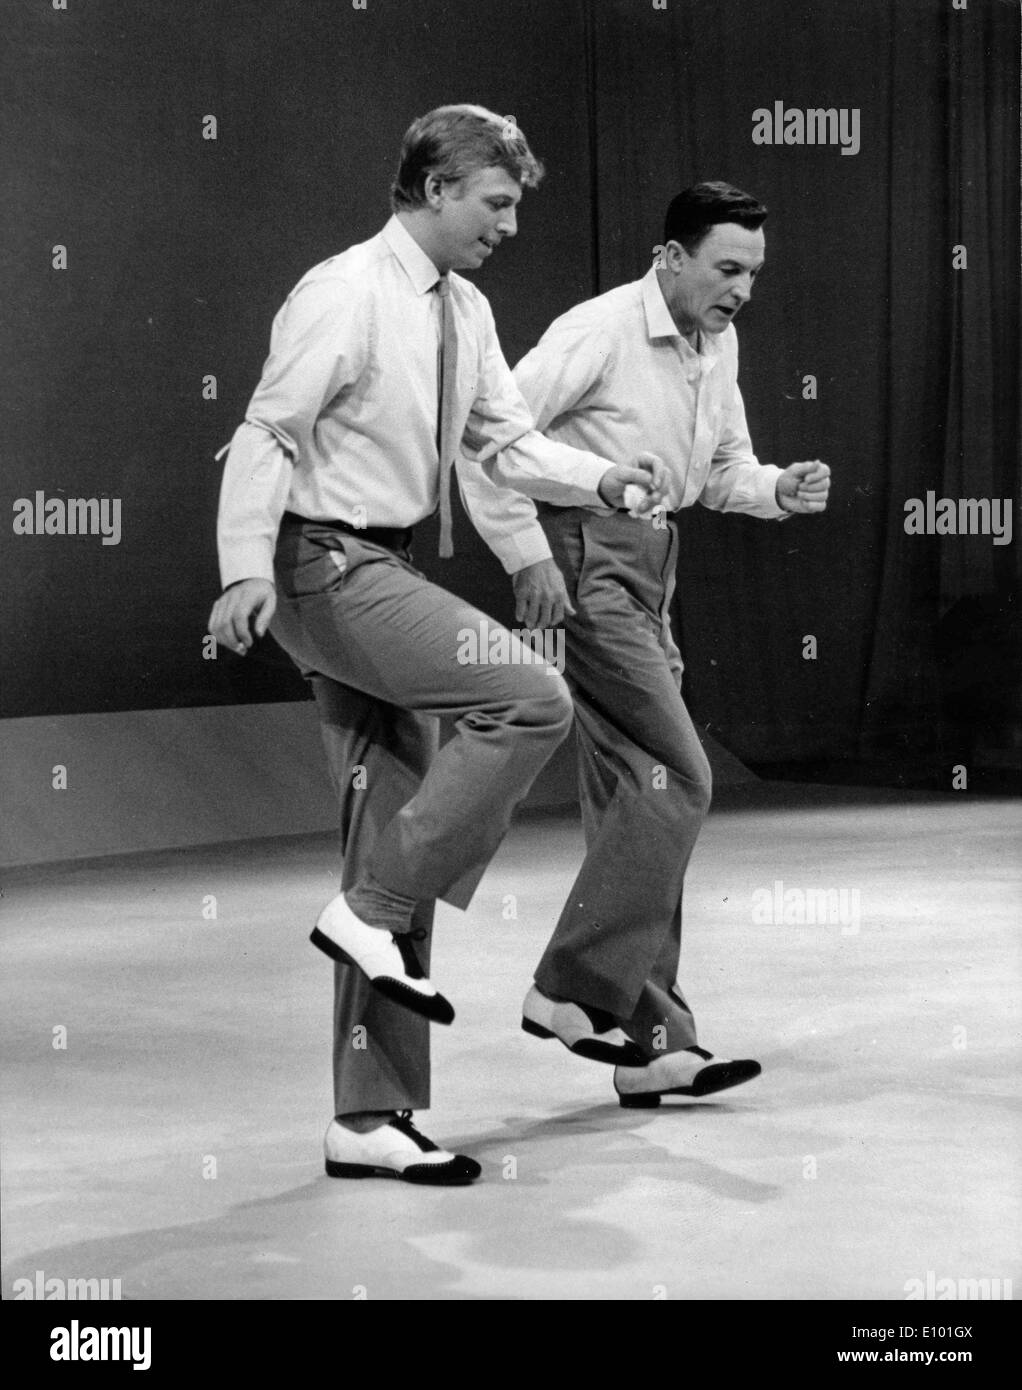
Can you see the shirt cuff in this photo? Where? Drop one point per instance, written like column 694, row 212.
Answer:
column 250, row 559
column 590, row 473
column 767, row 484
column 519, row 551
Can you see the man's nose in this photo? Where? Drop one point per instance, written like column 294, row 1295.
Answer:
column 743, row 288
column 507, row 223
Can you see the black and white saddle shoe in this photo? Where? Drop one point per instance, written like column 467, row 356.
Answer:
column 691, row 1072
column 586, row 1031
column 385, row 958
column 395, row 1150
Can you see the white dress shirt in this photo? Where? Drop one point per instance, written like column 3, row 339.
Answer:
column 343, row 423
column 615, row 375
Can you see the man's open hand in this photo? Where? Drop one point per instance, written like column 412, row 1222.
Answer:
column 649, row 475
column 242, row 613
column 803, row 487
column 541, row 599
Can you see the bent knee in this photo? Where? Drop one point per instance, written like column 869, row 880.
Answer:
column 695, row 783
column 548, row 704
column 702, row 792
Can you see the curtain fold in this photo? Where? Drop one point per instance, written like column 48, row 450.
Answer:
column 942, row 666
column 182, row 250
column 915, row 363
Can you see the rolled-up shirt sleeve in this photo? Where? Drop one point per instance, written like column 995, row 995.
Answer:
column 318, row 345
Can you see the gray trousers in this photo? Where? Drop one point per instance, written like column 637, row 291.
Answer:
column 643, row 777
column 380, row 646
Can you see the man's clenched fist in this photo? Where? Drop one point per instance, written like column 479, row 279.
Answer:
column 803, row 487
column 648, row 476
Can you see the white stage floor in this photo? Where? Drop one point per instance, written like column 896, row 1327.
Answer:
column 879, row 1146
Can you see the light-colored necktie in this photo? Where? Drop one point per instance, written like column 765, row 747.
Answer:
column 447, row 375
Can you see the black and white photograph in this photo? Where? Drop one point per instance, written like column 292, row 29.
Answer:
column 511, row 686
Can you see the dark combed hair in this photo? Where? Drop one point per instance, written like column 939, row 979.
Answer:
column 453, row 141
column 694, row 211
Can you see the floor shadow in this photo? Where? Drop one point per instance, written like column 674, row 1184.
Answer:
column 546, row 1203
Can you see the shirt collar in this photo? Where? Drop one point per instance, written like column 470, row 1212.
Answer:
column 660, row 324
column 419, row 268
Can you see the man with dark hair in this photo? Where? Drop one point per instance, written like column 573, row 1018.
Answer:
column 650, row 365
column 384, row 370
column 694, row 211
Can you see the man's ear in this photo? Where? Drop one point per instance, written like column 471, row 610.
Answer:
column 433, row 190
column 675, row 256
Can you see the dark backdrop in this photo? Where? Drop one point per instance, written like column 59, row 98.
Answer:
column 916, row 363
column 180, row 251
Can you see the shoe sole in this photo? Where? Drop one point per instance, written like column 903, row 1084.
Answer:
column 425, row 1175
column 718, row 1076
column 434, row 1007
column 591, row 1048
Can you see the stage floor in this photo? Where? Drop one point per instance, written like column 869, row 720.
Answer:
column 174, row 1143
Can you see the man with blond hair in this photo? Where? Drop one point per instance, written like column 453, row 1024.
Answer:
column 384, row 376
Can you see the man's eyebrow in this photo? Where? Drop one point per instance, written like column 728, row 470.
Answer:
column 730, row 260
